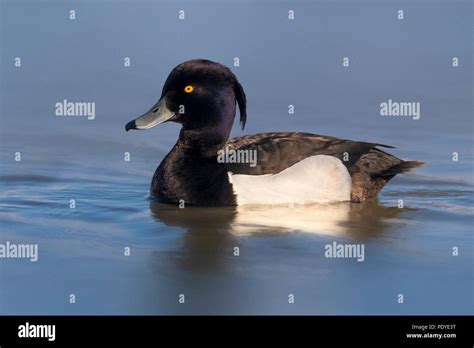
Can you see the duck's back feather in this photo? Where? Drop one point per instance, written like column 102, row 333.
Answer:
column 278, row 151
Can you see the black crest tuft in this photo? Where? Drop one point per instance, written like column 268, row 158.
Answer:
column 241, row 101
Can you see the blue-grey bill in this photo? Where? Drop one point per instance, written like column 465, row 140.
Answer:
column 158, row 114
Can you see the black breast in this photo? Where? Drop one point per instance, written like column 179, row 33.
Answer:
column 187, row 177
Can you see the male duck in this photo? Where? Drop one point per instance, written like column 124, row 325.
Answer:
column 291, row 167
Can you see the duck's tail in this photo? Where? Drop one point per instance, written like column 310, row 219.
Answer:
column 372, row 172
column 402, row 167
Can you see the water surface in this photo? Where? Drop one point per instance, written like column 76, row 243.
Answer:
column 191, row 251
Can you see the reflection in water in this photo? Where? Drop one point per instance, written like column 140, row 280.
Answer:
column 212, row 233
column 321, row 219
column 207, row 269
column 371, row 219
column 207, row 240
column 345, row 219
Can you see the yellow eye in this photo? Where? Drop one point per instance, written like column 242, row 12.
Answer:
column 188, row 89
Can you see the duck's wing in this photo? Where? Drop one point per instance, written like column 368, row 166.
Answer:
column 278, row 151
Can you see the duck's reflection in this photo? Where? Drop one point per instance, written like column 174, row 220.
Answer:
column 213, row 233
column 205, row 267
column 358, row 221
column 207, row 239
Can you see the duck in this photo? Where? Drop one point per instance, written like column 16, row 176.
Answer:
column 287, row 167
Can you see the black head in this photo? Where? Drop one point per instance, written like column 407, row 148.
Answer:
column 200, row 95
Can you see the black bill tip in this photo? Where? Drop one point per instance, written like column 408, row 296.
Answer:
column 130, row 125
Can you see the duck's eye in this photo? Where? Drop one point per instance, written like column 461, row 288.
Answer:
column 188, row 89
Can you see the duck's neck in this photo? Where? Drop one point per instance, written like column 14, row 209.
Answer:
column 202, row 143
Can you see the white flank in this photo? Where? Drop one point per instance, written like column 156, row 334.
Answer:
column 316, row 179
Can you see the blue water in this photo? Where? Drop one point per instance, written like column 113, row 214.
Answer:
column 190, row 251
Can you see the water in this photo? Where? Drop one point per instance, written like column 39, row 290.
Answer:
column 190, row 251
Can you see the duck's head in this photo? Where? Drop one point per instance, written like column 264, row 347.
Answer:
column 200, row 95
